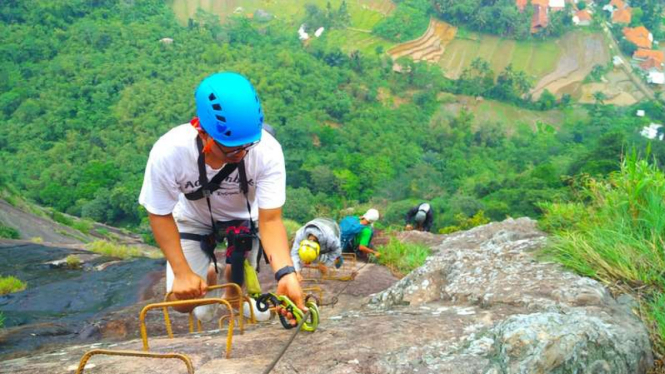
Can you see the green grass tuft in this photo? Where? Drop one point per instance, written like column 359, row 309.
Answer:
column 615, row 233
column 73, row 262
column 402, row 257
column 83, row 225
column 113, row 250
column 11, row 284
column 9, row 232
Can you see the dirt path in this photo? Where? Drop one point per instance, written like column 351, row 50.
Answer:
column 648, row 92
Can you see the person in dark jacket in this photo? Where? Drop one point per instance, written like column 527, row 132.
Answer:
column 420, row 217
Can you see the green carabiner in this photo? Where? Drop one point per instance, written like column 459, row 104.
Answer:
column 280, row 300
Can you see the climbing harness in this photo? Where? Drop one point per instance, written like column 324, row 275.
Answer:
column 89, row 354
column 262, row 304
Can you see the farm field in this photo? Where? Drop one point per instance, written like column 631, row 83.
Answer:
column 509, row 116
column 428, row 47
column 536, row 58
column 581, row 52
column 559, row 65
column 365, row 14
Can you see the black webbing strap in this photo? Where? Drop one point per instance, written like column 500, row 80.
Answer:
column 205, row 192
column 206, row 189
column 195, row 237
column 244, row 187
column 215, row 182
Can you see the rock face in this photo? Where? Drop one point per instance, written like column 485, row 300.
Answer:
column 481, row 304
column 556, row 322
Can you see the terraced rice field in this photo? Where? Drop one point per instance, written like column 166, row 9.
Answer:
column 365, row 14
column 430, row 46
column 581, row 52
column 536, row 58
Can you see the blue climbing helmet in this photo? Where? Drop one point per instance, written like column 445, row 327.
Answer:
column 229, row 109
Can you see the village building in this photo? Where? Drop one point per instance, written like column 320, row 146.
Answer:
column 540, row 19
column 653, row 131
column 622, row 16
column 302, row 34
column 582, row 18
column 652, row 63
column 618, row 4
column 656, row 77
column 642, row 55
column 639, row 36
column 556, row 5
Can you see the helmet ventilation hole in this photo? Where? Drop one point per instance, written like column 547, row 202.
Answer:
column 220, row 118
column 212, row 97
column 216, row 107
column 228, row 133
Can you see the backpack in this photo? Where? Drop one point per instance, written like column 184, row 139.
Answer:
column 350, row 226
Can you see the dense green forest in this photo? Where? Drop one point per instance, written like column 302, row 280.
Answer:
column 500, row 17
column 87, row 88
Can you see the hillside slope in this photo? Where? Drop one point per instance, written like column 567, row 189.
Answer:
column 480, row 304
column 33, row 227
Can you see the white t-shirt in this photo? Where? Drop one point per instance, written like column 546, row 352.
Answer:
column 172, row 171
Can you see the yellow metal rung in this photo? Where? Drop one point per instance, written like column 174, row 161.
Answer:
column 89, row 354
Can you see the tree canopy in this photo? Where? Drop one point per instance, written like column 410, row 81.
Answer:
column 88, row 87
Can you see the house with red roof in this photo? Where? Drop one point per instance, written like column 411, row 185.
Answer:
column 652, row 63
column 618, row 4
column 639, row 36
column 645, row 54
column 540, row 20
column 622, row 16
column 582, row 18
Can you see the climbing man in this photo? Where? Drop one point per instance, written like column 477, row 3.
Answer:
column 212, row 180
column 420, row 218
column 357, row 233
column 317, row 242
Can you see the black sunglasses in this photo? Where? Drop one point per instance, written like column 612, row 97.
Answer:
column 238, row 150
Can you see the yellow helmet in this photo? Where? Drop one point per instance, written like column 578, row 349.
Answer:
column 308, row 251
